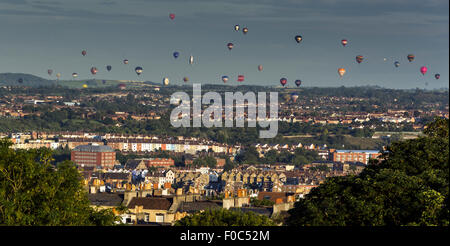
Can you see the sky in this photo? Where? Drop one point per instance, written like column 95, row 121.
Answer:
column 50, row 34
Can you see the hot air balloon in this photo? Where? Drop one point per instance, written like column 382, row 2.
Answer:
column 225, row 79
column 138, row 70
column 385, row 59
column 437, row 76
column 341, row 72
column 410, row 57
column 125, row 61
column 58, row 75
column 298, row 38
column 166, row 81
column 236, row 27
column 50, row 71
column 176, row 54
column 396, row 64
column 260, row 68
column 423, row 70
column 191, row 60
column 83, row 53
column 294, row 97
column 94, row 70
column 230, row 46
column 109, row 67
column 20, row 80
column 359, row 59
column 283, row 81
column 85, row 86
column 185, row 79
column 240, row 78
column 74, row 75
column 122, row 86
column 172, row 16
column 245, row 30
column 298, row 82
column 344, row 42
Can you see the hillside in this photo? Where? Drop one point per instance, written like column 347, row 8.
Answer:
column 13, row 79
column 28, row 80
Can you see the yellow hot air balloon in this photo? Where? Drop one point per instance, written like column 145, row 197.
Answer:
column 341, row 72
column 85, row 86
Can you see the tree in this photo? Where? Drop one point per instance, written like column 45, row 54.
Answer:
column 224, row 217
column 409, row 186
column 34, row 192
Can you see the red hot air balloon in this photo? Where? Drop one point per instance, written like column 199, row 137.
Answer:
column 83, row 53
column 94, row 70
column 283, row 81
column 260, row 68
column 344, row 42
column 240, row 78
column 423, row 70
column 172, row 16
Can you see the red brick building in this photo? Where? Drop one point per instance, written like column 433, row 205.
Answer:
column 94, row 156
column 158, row 162
column 362, row 156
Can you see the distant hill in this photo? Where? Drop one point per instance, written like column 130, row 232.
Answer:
column 35, row 81
column 28, row 80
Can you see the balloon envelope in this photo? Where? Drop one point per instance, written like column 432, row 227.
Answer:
column 50, row 72
column 230, row 46
column 245, row 30
column 176, row 54
column 298, row 38
column 225, row 79
column 423, row 70
column 83, row 52
column 138, row 70
column 437, row 76
column 125, row 61
column 109, row 67
column 359, row 59
column 74, row 75
column 260, row 68
column 396, row 64
column 341, row 72
column 166, row 81
column 191, row 60
column 344, row 42
column 283, row 81
column 172, row 16
column 236, row 27
column 93, row 70
column 298, row 82
column 410, row 57
column 240, row 78
column 185, row 79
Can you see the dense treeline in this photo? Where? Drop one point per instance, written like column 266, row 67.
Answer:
column 409, row 187
column 35, row 192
